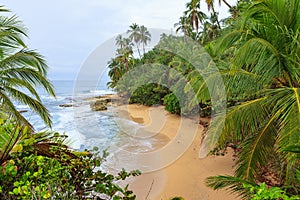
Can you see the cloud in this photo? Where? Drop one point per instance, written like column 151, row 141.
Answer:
column 67, row 31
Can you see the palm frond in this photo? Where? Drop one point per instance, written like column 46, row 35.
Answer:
column 9, row 108
column 10, row 137
column 239, row 122
column 34, row 104
column 231, row 183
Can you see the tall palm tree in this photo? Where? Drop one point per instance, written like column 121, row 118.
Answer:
column 135, row 35
column 194, row 13
column 21, row 71
column 120, row 42
column 265, row 48
column 145, row 36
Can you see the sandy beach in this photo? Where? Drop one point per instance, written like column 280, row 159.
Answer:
column 179, row 176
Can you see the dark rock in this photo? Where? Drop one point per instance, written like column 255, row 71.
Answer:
column 23, row 111
column 66, row 105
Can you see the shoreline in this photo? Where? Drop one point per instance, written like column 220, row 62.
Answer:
column 186, row 175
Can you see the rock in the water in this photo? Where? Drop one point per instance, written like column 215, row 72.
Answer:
column 23, row 111
column 66, row 105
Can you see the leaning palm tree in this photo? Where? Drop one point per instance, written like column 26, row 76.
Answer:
column 21, row 71
column 265, row 48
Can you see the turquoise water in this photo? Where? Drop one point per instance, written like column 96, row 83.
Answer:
column 84, row 127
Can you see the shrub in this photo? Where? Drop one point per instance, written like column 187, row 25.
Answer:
column 149, row 94
column 270, row 193
column 172, row 104
column 40, row 166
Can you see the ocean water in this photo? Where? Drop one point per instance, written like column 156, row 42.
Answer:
column 87, row 129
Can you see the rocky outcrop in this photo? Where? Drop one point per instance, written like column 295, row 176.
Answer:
column 100, row 104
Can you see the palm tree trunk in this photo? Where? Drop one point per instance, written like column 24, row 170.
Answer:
column 230, row 7
column 227, row 4
column 215, row 13
column 137, row 46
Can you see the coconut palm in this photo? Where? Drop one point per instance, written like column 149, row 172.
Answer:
column 210, row 30
column 184, row 26
column 265, row 47
column 21, row 71
column 194, row 14
column 145, row 36
column 122, row 62
column 115, row 73
column 120, row 42
column 135, row 35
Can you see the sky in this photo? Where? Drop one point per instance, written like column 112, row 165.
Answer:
column 66, row 32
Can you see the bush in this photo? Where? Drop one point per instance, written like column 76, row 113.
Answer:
column 149, row 94
column 40, row 166
column 270, row 193
column 172, row 104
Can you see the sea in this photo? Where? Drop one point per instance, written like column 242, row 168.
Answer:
column 85, row 128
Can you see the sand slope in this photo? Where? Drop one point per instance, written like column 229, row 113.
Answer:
column 186, row 175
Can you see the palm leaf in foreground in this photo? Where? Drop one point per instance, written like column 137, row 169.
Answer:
column 234, row 184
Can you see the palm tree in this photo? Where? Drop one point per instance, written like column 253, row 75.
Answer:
column 265, row 48
column 135, row 35
column 21, row 69
column 194, row 14
column 145, row 36
column 124, row 44
column 115, row 73
column 210, row 30
column 184, row 26
column 120, row 42
column 210, row 5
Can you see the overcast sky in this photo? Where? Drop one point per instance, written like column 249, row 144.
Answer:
column 67, row 31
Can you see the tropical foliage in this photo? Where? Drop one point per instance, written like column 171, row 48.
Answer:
column 149, row 94
column 257, row 54
column 41, row 166
column 263, row 46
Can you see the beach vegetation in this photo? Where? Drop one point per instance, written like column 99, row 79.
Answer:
column 41, row 166
column 149, row 95
column 262, row 45
column 257, row 53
